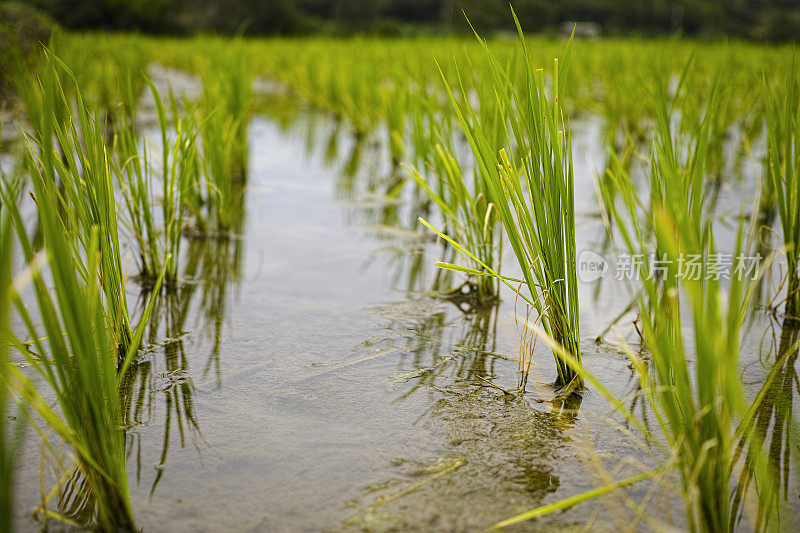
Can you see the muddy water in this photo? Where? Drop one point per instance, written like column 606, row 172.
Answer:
column 305, row 379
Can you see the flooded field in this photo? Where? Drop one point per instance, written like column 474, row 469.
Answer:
column 272, row 399
column 308, row 367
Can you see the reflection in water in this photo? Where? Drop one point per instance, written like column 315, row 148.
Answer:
column 156, row 378
column 774, row 426
column 75, row 499
column 452, row 357
column 471, row 358
column 379, row 197
column 211, row 265
column 503, row 446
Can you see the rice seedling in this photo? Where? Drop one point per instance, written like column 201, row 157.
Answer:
column 222, row 118
column 774, row 427
column 10, row 433
column 699, row 413
column 226, row 106
column 394, row 101
column 179, row 173
column 693, row 384
column 37, row 90
column 469, row 217
column 782, row 169
column 109, row 72
column 677, row 183
column 220, row 194
column 82, row 180
column 77, row 355
column 533, row 197
column 693, row 387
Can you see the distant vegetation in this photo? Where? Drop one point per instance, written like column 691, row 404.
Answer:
column 773, row 20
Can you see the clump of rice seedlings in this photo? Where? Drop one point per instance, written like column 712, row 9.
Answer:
column 43, row 101
column 75, row 356
column 220, row 195
column 692, row 382
column 177, row 171
column 104, row 65
column 226, row 106
column 9, row 433
column 394, row 102
column 469, row 217
column 222, row 118
column 530, row 185
column 469, row 220
column 82, row 180
column 782, row 169
column 698, row 412
column 678, row 169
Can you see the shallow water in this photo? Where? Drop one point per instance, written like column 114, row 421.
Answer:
column 308, row 373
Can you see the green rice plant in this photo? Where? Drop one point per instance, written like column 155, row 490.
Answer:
column 394, row 100
column 82, row 180
column 10, row 434
column 39, row 89
column 698, row 413
column 226, row 106
column 692, row 382
column 109, row 69
column 782, row 169
column 533, row 194
column 469, row 217
column 75, row 356
column 137, row 174
column 220, row 194
column 677, row 183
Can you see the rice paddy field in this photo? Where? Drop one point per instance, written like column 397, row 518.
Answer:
column 374, row 284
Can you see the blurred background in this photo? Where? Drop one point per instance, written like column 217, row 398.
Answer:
column 764, row 20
